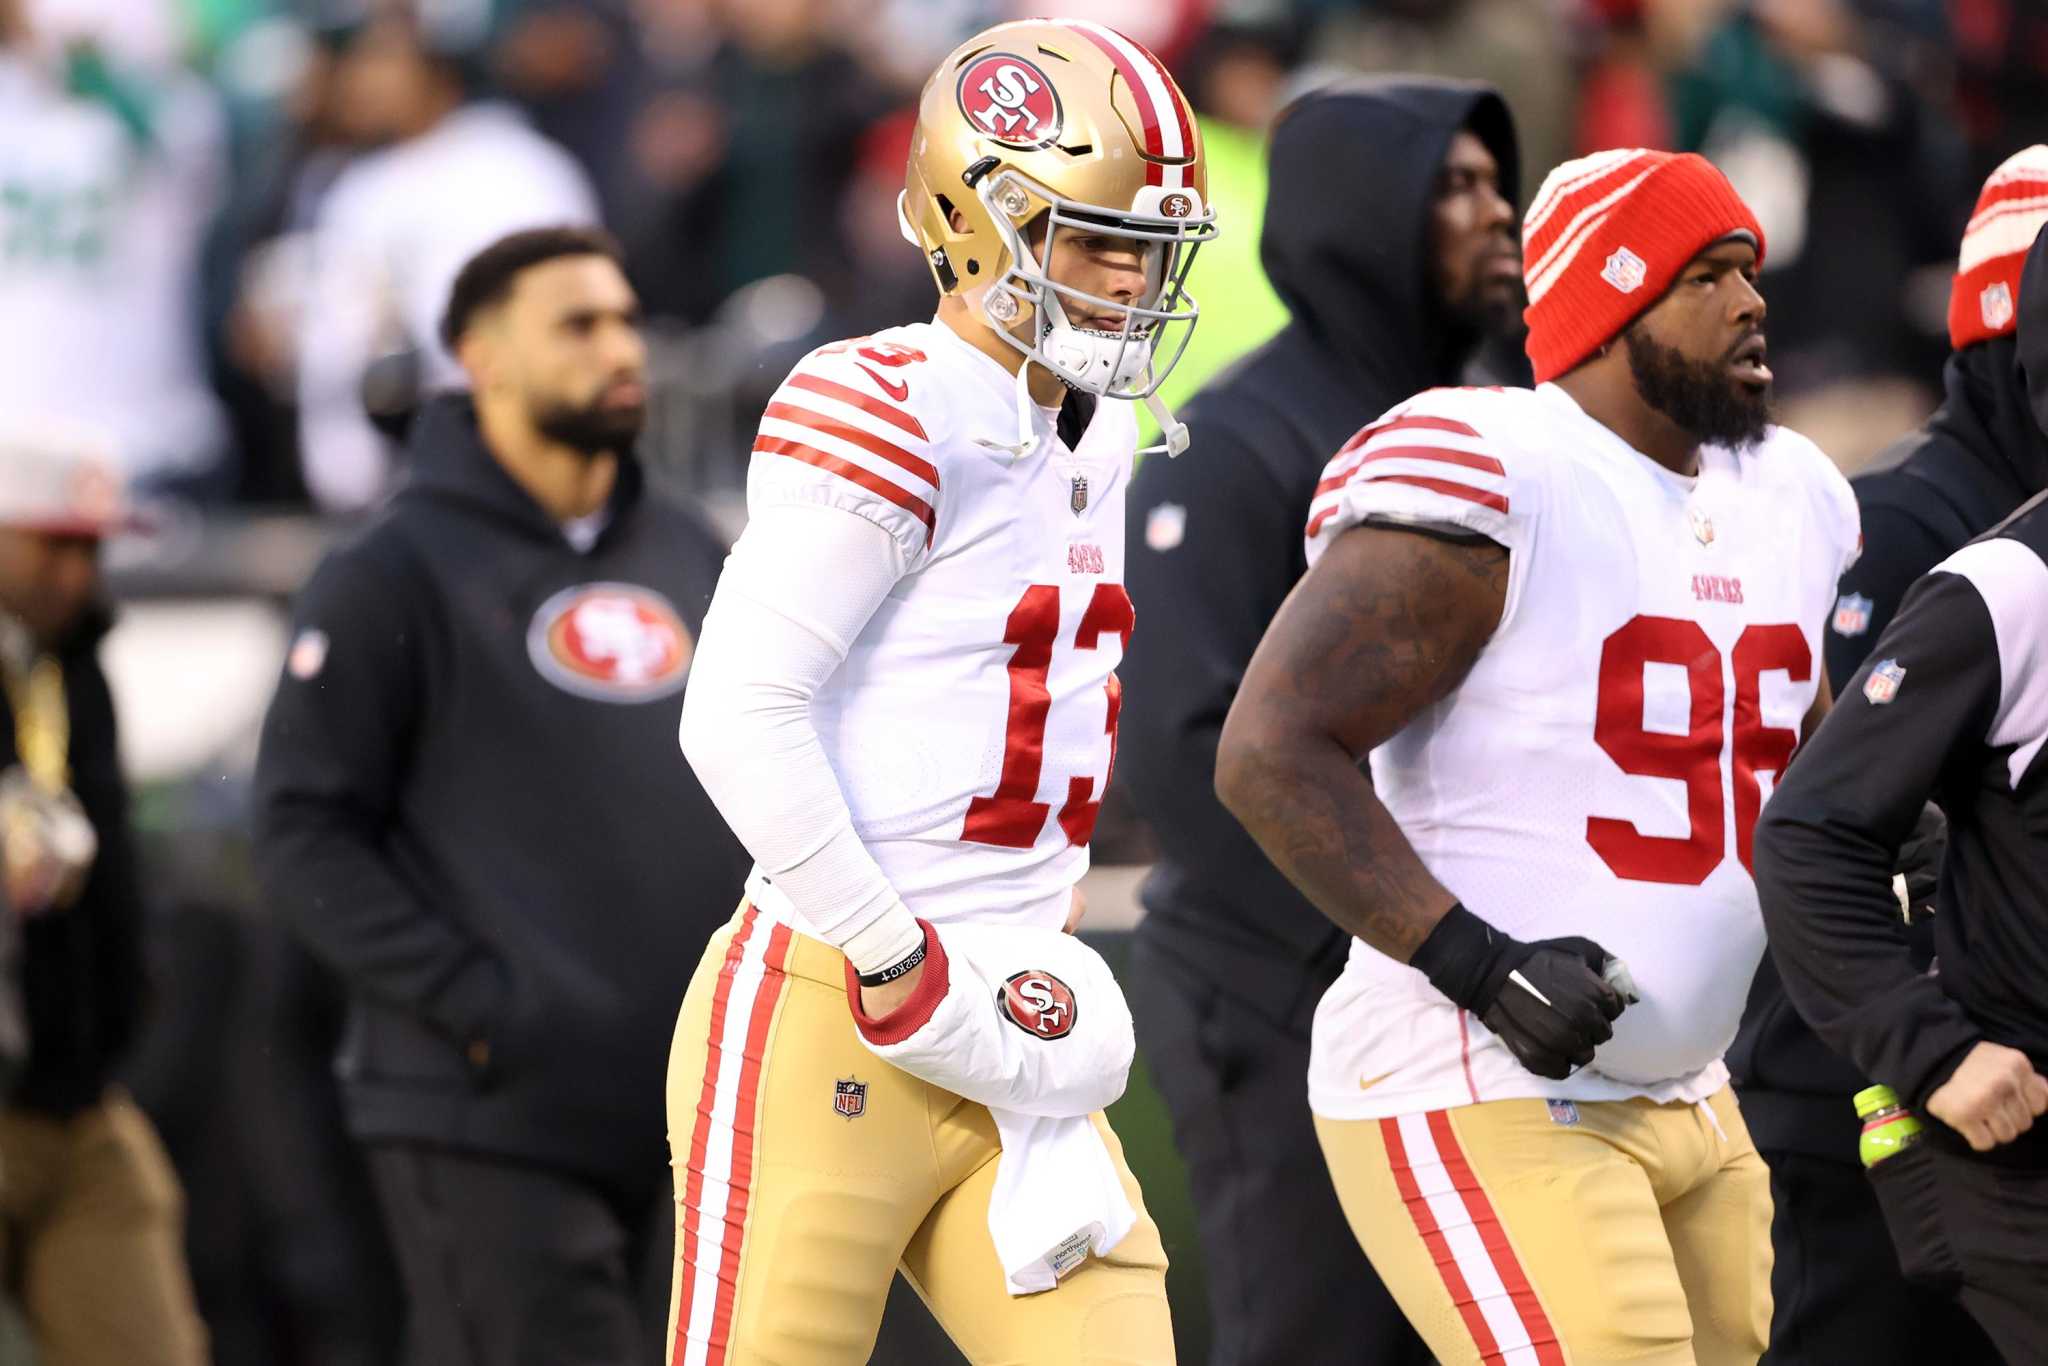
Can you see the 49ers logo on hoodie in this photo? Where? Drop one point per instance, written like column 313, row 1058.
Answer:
column 610, row 642
column 1037, row 1003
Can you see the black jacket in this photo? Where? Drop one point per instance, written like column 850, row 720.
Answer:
column 1215, row 536
column 82, row 973
column 471, row 804
column 1976, row 459
column 1938, row 712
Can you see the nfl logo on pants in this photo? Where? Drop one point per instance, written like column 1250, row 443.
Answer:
column 850, row 1097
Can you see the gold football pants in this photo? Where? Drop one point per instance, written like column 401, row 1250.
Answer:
column 808, row 1172
column 1547, row 1233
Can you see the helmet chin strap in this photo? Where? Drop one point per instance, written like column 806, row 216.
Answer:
column 1173, row 432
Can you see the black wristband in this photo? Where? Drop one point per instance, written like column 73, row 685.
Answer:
column 1459, row 955
column 891, row 973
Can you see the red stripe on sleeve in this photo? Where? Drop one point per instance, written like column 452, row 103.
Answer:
column 867, row 441
column 1485, row 464
column 1534, row 1321
column 865, row 402
column 1498, row 502
column 855, row 474
column 1439, row 1250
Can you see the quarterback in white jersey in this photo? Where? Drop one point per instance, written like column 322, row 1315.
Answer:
column 905, row 704
column 1578, row 631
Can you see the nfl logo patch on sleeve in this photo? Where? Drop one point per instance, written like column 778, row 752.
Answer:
column 1882, row 686
column 1852, row 615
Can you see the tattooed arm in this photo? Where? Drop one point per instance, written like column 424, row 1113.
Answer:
column 1387, row 623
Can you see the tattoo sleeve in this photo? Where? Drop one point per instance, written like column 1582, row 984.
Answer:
column 1387, row 624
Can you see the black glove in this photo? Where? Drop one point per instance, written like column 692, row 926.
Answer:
column 1552, row 1002
column 1919, row 862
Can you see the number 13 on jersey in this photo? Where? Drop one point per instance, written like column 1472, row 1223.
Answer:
column 1013, row 817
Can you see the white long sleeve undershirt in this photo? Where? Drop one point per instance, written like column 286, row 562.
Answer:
column 799, row 586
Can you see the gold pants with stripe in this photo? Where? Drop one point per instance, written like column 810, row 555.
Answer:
column 1534, row 1233
column 809, row 1172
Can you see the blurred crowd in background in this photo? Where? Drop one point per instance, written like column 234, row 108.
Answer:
column 214, row 214
column 227, row 228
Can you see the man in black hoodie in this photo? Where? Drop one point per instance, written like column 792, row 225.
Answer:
column 469, row 805
column 1836, row 1284
column 1390, row 232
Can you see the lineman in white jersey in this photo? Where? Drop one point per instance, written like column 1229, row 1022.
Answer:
column 905, row 704
column 1578, row 631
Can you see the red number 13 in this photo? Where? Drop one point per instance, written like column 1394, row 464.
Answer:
column 1014, row 816
column 1693, row 758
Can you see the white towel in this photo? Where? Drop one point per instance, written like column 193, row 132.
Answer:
column 1057, row 1199
column 1030, row 1023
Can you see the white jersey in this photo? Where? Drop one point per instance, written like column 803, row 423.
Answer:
column 1600, row 769
column 973, row 723
column 103, row 210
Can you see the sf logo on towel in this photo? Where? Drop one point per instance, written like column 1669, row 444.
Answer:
column 1038, row 1003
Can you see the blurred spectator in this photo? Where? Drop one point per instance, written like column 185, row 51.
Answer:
column 1519, row 48
column 109, row 173
column 1390, row 232
column 2001, row 68
column 89, row 1208
column 743, row 155
column 470, row 805
column 1818, row 112
column 459, row 173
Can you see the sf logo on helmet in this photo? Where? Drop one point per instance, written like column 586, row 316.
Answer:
column 1010, row 100
column 1037, row 1003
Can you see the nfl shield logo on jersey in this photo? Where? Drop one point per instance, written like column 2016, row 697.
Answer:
column 850, row 1097
column 1883, row 684
column 1563, row 1111
column 1852, row 614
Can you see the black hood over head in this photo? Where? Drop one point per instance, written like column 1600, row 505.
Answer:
column 2032, row 346
column 1352, row 170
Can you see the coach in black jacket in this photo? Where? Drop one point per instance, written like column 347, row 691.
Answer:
column 1952, row 705
column 1390, row 234
column 469, row 804
column 1835, row 1285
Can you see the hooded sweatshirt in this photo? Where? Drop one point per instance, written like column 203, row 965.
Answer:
column 1980, row 456
column 1215, row 536
column 470, row 805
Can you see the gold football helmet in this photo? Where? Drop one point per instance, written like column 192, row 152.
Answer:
column 1074, row 122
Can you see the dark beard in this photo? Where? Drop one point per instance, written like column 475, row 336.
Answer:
column 591, row 429
column 1700, row 398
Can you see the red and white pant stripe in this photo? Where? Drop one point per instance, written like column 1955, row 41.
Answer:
column 722, row 1141
column 1467, row 1243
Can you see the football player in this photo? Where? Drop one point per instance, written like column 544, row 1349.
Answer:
column 904, row 702
column 1577, row 629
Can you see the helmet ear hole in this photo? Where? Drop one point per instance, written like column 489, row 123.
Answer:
column 973, row 266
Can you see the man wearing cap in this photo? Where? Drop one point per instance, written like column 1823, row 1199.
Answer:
column 1836, row 1284
column 90, row 1213
column 1577, row 631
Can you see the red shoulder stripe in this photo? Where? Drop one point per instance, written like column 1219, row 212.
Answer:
column 866, row 403
column 1486, row 464
column 867, row 441
column 855, row 474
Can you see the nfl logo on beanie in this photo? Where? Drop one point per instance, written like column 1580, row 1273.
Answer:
column 1605, row 238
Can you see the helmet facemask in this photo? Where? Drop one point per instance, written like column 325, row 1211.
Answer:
column 1167, row 227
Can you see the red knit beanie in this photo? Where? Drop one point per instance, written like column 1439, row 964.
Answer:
column 1983, row 301
column 1605, row 238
